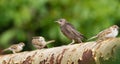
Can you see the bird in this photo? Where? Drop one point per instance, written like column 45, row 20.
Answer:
column 39, row 42
column 15, row 47
column 110, row 32
column 70, row 32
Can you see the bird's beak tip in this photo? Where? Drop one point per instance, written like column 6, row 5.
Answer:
column 56, row 21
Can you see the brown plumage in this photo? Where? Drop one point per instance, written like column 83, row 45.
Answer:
column 39, row 42
column 110, row 32
column 15, row 47
column 70, row 32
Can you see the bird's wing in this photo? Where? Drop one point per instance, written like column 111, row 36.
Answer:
column 15, row 46
column 103, row 33
column 66, row 32
column 73, row 31
column 36, row 42
column 98, row 35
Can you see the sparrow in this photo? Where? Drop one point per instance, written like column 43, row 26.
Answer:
column 111, row 32
column 69, row 31
column 39, row 42
column 15, row 47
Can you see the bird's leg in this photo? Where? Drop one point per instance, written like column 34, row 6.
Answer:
column 73, row 41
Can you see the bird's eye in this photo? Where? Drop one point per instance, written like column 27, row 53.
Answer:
column 60, row 20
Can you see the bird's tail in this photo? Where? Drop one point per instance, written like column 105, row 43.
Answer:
column 50, row 41
column 5, row 49
column 92, row 37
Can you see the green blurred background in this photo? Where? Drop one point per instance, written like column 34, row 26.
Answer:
column 20, row 20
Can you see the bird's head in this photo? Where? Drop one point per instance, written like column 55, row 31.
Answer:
column 41, row 39
column 115, row 27
column 21, row 44
column 61, row 22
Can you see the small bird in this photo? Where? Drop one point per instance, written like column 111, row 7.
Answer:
column 111, row 32
column 70, row 32
column 15, row 47
column 39, row 42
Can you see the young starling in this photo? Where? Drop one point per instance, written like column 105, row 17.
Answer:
column 15, row 47
column 70, row 32
column 39, row 42
column 111, row 32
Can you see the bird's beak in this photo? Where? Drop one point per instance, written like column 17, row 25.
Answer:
column 56, row 21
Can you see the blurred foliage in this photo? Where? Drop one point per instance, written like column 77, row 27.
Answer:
column 20, row 20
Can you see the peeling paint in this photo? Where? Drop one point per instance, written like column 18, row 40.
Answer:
column 113, row 48
column 68, row 61
column 72, row 62
column 52, row 59
column 28, row 60
column 4, row 62
column 88, row 53
column 74, row 50
column 42, row 62
column 34, row 54
column 60, row 56
column 41, row 55
column 87, row 58
column 10, row 61
column 81, row 44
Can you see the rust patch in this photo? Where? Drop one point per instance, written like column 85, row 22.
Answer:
column 68, row 61
column 57, row 58
column 81, row 44
column 28, row 60
column 41, row 55
column 79, row 61
column 72, row 62
column 74, row 50
column 60, row 56
column 34, row 54
column 42, row 62
column 47, row 59
column 87, row 58
column 4, row 62
column 52, row 59
column 112, row 52
column 10, row 61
